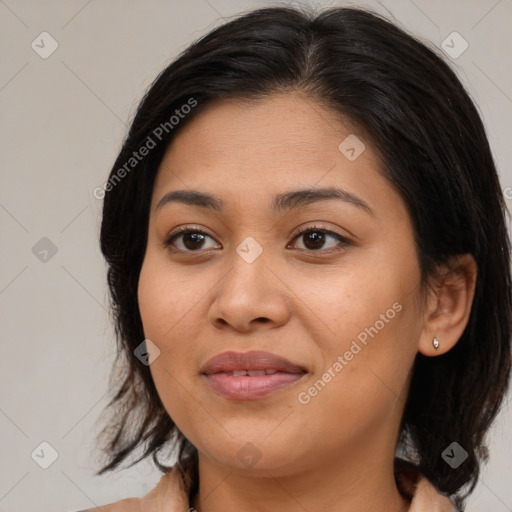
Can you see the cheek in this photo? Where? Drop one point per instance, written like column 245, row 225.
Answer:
column 164, row 303
column 164, row 300
column 178, row 399
column 170, row 307
column 352, row 302
column 364, row 380
column 374, row 325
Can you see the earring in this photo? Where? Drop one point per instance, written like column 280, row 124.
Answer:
column 435, row 342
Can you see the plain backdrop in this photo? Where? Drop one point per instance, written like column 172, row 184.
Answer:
column 63, row 117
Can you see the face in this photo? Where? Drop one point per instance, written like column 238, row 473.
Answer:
column 339, row 302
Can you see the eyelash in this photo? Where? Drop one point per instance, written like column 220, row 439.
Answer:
column 189, row 229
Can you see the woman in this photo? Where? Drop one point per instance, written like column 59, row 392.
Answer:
column 310, row 275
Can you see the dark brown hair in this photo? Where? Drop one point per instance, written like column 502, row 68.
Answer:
column 433, row 150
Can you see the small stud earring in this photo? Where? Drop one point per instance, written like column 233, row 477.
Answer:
column 435, row 342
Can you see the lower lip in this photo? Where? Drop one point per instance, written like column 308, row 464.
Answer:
column 248, row 387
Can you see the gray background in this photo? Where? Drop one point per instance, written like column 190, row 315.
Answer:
column 62, row 123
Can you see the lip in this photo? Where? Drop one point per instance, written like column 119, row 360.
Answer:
column 218, row 373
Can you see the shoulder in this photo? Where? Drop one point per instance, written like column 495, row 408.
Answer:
column 170, row 490
column 126, row 505
column 428, row 499
column 419, row 491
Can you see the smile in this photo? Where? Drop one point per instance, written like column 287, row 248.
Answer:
column 250, row 375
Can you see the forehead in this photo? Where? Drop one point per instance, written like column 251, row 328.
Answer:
column 284, row 126
column 247, row 149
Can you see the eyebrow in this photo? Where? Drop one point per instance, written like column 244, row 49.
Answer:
column 285, row 201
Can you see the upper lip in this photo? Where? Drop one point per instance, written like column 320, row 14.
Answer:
column 254, row 360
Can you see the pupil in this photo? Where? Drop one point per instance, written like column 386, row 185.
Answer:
column 317, row 238
column 196, row 237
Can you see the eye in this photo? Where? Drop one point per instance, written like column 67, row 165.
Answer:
column 192, row 239
column 315, row 238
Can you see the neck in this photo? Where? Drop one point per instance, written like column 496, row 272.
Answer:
column 368, row 485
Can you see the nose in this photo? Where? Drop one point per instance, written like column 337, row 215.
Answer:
column 250, row 296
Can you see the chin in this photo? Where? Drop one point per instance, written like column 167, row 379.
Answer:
column 256, row 455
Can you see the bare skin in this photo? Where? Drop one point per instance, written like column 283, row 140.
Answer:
column 305, row 302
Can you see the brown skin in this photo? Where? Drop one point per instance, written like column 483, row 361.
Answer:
column 336, row 452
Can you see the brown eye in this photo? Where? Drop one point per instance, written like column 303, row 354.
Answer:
column 315, row 238
column 191, row 240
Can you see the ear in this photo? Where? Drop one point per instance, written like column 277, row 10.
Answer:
column 448, row 305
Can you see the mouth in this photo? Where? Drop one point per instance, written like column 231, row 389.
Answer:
column 250, row 375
